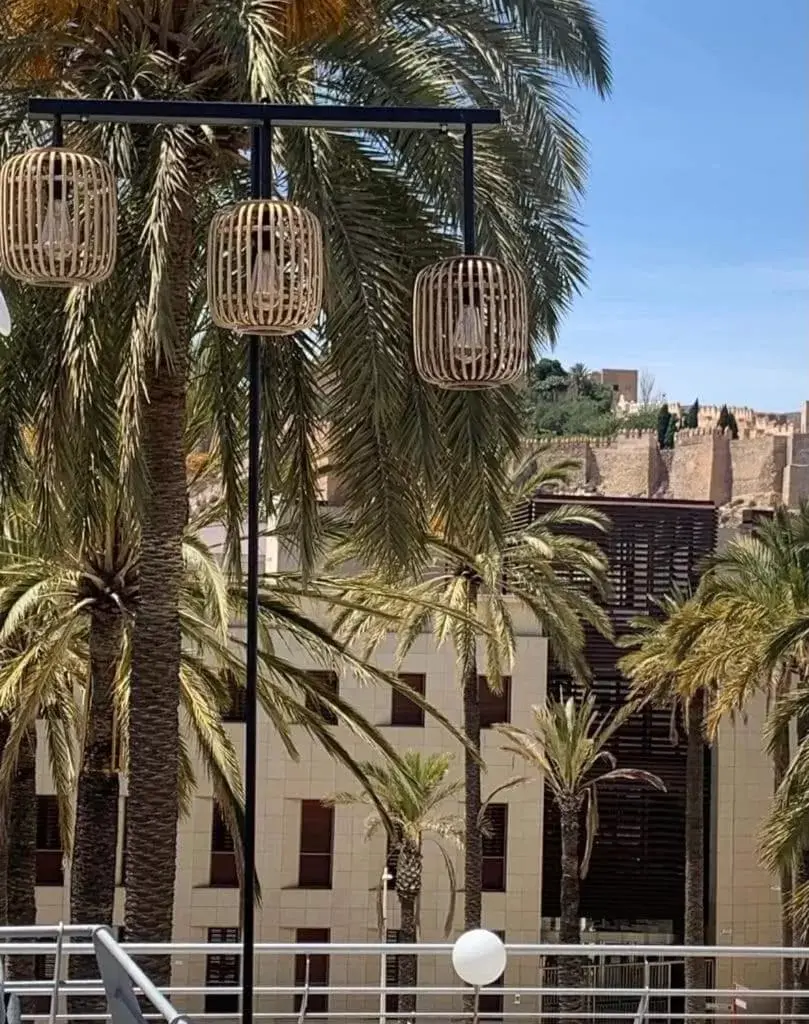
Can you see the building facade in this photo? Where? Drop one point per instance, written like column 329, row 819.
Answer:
column 320, row 877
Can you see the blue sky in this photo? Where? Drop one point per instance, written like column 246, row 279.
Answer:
column 697, row 210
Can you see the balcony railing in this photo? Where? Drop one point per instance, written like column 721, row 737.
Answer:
column 637, row 983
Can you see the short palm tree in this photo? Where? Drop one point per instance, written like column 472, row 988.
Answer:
column 414, row 804
column 388, row 206
column 470, row 594
column 660, row 669
column 568, row 747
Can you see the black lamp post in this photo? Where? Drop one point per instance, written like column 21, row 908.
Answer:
column 437, row 331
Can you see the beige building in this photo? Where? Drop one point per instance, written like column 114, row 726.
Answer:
column 319, row 875
column 623, row 383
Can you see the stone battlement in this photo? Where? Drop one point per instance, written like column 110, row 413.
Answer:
column 706, row 464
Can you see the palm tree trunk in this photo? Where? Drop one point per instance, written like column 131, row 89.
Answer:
column 22, row 838
column 156, row 643
column 473, row 840
column 92, row 876
column 695, row 973
column 570, row 968
column 408, row 965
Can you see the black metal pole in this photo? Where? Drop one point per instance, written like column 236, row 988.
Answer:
column 57, row 135
column 261, row 182
column 468, row 191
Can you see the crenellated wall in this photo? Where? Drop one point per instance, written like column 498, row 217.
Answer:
column 704, row 465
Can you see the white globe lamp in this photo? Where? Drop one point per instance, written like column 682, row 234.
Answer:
column 479, row 957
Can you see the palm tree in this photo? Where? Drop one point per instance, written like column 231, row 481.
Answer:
column 568, row 747
column 660, row 671
column 386, row 210
column 55, row 602
column 470, row 595
column 413, row 804
column 753, row 594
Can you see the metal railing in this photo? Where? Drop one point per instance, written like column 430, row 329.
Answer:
column 633, row 983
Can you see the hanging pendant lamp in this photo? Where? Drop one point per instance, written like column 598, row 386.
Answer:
column 58, row 218
column 265, row 268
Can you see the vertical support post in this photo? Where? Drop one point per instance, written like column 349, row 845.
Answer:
column 261, row 185
column 468, row 191
column 383, row 960
column 58, row 135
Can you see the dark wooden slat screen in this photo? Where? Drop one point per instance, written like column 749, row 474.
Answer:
column 637, row 870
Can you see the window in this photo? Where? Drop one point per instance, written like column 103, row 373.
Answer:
column 318, row 971
column 223, row 853
column 494, row 707
column 491, row 1003
column 222, row 969
column 329, row 682
column 403, row 711
column 392, row 973
column 122, row 840
column 317, row 832
column 49, row 843
column 494, row 848
column 235, row 710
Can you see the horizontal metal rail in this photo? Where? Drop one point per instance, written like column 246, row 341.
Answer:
column 654, row 1002
column 301, row 116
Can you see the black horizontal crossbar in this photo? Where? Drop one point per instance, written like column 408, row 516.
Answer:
column 193, row 112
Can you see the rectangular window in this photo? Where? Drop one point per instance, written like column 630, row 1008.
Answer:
column 494, row 848
column 223, row 853
column 222, row 970
column 491, row 1003
column 312, row 969
column 49, row 843
column 235, row 710
column 331, row 684
column 403, row 711
column 121, row 880
column 392, row 973
column 494, row 707
column 317, row 840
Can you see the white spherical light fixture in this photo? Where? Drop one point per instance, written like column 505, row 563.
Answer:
column 58, row 218
column 470, row 323
column 479, row 957
column 265, row 268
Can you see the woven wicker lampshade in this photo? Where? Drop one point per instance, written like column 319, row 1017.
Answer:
column 470, row 323
column 265, row 268
column 58, row 218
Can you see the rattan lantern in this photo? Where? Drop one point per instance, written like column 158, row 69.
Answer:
column 265, row 268
column 470, row 323
column 58, row 218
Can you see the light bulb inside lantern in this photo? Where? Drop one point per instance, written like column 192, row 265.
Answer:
column 56, row 231
column 467, row 338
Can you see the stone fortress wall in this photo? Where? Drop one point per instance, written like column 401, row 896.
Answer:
column 758, row 469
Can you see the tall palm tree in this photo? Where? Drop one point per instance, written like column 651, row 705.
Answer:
column 660, row 671
column 386, row 209
column 568, row 747
column 470, row 594
column 414, row 804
